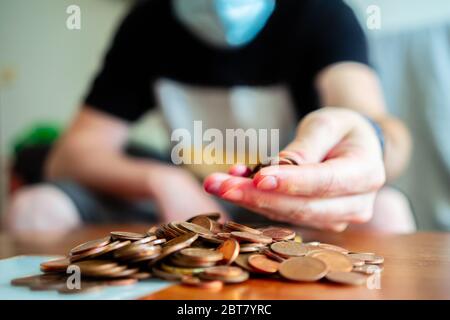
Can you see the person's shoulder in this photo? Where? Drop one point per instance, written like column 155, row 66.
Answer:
column 311, row 11
column 145, row 15
column 323, row 7
column 146, row 9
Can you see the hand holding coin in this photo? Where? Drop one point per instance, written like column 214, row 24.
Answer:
column 326, row 178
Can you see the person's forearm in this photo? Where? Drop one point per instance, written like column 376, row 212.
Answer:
column 397, row 147
column 90, row 152
column 109, row 172
column 356, row 86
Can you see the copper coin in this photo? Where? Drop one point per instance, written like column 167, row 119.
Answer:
column 113, row 246
column 195, row 228
column 332, row 247
column 104, row 273
column 37, row 279
column 201, row 254
column 175, row 245
column 237, row 279
column 234, row 226
column 204, row 284
column 242, row 261
column 211, row 215
column 289, row 249
column 357, row 262
column 246, row 248
column 289, row 160
column 272, row 255
column 181, row 270
column 278, row 234
column 368, row 269
column 303, row 269
column 145, row 240
column 88, row 254
column 230, row 250
column 250, row 237
column 85, row 288
column 181, row 242
column 204, row 222
column 166, row 275
column 143, row 258
column 285, row 161
column 181, row 261
column 57, row 265
column 142, row 275
column 121, row 274
column 368, row 258
column 175, row 227
column 152, row 231
column 133, row 251
column 157, row 241
column 50, row 285
column 211, row 239
column 123, row 235
column 95, row 265
column 223, row 271
column 348, row 278
column 90, row 245
column 223, row 235
column 334, row 260
column 262, row 263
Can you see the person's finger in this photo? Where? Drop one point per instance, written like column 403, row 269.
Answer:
column 239, row 170
column 344, row 175
column 214, row 181
column 318, row 133
column 321, row 225
column 356, row 208
column 234, row 183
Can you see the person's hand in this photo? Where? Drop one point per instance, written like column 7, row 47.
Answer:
column 179, row 195
column 340, row 170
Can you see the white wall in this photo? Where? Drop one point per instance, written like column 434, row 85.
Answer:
column 401, row 15
column 44, row 67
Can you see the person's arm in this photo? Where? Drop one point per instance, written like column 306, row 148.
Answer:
column 339, row 155
column 356, row 86
column 91, row 153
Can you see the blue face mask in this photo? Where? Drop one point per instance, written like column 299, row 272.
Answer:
column 224, row 23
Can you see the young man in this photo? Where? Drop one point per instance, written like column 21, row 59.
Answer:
column 297, row 66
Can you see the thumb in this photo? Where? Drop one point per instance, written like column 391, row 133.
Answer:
column 317, row 134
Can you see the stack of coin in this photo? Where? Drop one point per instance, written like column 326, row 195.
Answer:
column 204, row 253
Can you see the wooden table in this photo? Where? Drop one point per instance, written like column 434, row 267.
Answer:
column 417, row 266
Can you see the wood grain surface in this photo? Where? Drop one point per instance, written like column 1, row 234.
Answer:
column 417, row 266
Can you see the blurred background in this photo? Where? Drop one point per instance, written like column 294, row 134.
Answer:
column 45, row 70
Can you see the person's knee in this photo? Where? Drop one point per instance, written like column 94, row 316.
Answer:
column 41, row 208
column 392, row 212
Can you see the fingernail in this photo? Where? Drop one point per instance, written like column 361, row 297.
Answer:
column 233, row 195
column 213, row 187
column 268, row 183
column 240, row 171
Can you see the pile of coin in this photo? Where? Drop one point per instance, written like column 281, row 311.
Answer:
column 202, row 252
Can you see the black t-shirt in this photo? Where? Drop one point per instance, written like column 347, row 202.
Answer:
column 300, row 38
